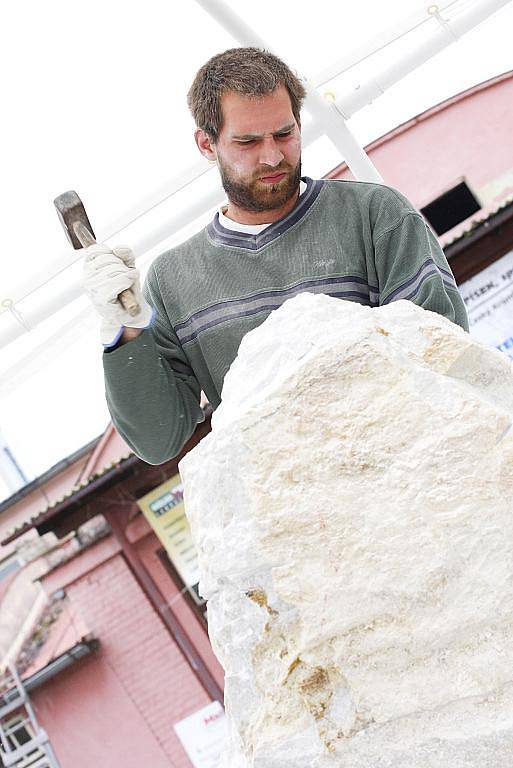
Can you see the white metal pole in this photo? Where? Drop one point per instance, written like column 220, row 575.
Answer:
column 449, row 32
column 85, row 321
column 329, row 118
column 353, row 153
column 392, row 34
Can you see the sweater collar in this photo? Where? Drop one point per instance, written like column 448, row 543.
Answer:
column 220, row 235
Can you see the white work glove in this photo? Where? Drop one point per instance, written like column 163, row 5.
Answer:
column 106, row 273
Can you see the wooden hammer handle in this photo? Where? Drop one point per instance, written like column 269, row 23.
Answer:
column 126, row 297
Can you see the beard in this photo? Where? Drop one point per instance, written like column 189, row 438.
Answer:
column 257, row 196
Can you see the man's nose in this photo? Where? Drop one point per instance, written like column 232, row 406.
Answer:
column 270, row 153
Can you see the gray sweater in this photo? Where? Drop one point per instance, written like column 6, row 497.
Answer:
column 358, row 241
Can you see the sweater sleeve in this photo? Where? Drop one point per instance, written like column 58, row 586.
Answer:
column 152, row 393
column 410, row 264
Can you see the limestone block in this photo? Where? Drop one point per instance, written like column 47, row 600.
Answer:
column 352, row 510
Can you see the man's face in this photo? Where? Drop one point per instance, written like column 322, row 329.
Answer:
column 259, row 150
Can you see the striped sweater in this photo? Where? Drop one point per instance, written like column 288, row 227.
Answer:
column 358, row 241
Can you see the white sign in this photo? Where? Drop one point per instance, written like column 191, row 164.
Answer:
column 488, row 297
column 203, row 734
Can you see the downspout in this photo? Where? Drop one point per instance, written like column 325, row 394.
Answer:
column 162, row 607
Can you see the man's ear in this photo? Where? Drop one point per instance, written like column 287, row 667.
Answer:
column 205, row 145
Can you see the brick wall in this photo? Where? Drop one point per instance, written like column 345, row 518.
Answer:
column 139, row 651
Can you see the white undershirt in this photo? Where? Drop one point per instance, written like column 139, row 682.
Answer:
column 252, row 229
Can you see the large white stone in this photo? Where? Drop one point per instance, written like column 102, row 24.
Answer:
column 352, row 510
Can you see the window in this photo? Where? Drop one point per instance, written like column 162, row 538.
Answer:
column 451, row 208
column 19, row 731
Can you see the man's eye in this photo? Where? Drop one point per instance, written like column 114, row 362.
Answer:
column 283, row 135
column 247, row 141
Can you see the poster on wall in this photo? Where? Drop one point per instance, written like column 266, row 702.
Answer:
column 488, row 297
column 163, row 508
column 203, row 734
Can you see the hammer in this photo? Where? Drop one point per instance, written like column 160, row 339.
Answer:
column 73, row 217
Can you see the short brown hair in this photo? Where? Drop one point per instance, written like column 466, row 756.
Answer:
column 250, row 71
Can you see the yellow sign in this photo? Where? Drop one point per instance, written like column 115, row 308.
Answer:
column 164, row 510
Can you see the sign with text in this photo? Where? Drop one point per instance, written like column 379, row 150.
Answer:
column 164, row 510
column 488, row 297
column 203, row 734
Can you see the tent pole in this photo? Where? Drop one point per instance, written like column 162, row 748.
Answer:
column 329, row 118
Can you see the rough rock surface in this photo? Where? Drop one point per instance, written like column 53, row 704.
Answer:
column 352, row 509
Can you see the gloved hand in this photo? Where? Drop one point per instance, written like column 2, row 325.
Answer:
column 106, row 273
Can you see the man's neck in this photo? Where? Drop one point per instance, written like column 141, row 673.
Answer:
column 241, row 216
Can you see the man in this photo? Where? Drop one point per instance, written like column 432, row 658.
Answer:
column 279, row 235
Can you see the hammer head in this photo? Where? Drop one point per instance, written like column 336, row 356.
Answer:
column 71, row 212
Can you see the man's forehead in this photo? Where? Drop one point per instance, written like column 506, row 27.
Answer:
column 245, row 115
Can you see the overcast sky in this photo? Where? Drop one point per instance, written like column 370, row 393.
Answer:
column 96, row 102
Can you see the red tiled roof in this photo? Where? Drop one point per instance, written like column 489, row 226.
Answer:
column 57, row 631
column 76, row 489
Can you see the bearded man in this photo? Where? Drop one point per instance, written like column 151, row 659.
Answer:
column 280, row 234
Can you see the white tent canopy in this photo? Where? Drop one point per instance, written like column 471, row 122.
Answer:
column 98, row 104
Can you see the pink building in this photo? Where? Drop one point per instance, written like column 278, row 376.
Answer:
column 113, row 646
column 120, row 653
column 467, row 137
